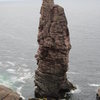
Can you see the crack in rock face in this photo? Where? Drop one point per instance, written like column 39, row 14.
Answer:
column 53, row 52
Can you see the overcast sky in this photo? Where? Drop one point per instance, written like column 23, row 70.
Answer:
column 82, row 4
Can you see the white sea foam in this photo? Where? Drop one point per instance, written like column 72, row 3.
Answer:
column 17, row 79
column 21, row 78
column 24, row 77
column 94, row 85
column 11, row 71
column 78, row 90
column 9, row 83
column 11, row 63
column 19, row 92
column 74, row 73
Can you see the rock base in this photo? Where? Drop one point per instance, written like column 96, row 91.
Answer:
column 67, row 96
column 59, row 95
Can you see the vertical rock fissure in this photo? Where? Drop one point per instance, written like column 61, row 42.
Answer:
column 53, row 52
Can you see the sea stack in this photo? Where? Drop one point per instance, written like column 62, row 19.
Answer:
column 53, row 52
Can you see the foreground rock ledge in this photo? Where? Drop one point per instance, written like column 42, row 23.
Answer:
column 53, row 53
column 8, row 94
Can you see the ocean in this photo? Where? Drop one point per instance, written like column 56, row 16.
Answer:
column 18, row 46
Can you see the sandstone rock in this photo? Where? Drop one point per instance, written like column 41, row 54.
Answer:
column 8, row 94
column 53, row 53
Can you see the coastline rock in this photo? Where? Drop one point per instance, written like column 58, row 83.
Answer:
column 98, row 94
column 53, row 53
column 8, row 94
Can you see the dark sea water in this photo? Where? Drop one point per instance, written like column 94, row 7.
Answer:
column 18, row 45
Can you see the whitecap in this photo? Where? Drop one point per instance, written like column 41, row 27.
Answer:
column 11, row 71
column 94, row 85
column 11, row 63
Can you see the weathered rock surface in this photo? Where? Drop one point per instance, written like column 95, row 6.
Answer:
column 8, row 94
column 53, row 53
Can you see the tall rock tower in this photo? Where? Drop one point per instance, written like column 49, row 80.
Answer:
column 53, row 52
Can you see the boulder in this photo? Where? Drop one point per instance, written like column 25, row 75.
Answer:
column 8, row 94
column 98, row 94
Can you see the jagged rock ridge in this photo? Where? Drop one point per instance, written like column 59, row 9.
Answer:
column 53, row 52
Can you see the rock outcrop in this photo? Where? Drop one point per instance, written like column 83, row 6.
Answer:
column 98, row 95
column 99, row 92
column 53, row 53
column 8, row 94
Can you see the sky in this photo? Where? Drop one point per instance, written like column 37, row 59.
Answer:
column 72, row 4
column 61, row 1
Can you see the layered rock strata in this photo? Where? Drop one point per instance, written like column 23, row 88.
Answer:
column 53, row 52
